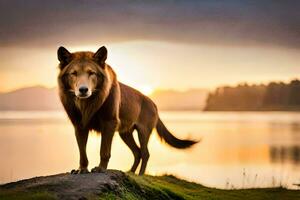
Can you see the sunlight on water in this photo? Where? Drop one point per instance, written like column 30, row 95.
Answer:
column 237, row 150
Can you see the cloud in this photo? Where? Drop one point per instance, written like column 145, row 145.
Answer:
column 231, row 22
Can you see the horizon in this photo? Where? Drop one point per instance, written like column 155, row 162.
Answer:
column 154, row 90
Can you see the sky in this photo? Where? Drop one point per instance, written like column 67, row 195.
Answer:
column 168, row 44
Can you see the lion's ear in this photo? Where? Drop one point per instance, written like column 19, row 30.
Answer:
column 101, row 55
column 64, row 56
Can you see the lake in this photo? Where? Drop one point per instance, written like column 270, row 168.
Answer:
column 237, row 150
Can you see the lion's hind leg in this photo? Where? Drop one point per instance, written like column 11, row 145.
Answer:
column 144, row 135
column 127, row 137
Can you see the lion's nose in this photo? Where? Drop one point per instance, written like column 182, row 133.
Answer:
column 83, row 89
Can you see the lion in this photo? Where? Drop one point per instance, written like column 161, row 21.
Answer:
column 94, row 99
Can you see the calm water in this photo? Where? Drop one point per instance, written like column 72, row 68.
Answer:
column 238, row 150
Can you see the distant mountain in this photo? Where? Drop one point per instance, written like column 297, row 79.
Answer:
column 31, row 98
column 41, row 98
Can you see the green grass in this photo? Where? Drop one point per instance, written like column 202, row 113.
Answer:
column 169, row 187
column 21, row 195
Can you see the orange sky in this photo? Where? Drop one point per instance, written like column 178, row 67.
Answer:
column 149, row 65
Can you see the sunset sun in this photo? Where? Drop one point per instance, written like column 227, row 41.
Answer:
column 145, row 89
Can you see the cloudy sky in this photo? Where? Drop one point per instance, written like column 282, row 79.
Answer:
column 158, row 44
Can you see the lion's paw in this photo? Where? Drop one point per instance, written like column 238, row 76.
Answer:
column 80, row 171
column 98, row 170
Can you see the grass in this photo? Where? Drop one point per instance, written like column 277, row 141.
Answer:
column 170, row 187
column 33, row 195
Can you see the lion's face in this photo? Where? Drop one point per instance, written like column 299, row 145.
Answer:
column 82, row 73
column 83, row 78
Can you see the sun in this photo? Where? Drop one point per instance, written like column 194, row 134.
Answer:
column 146, row 89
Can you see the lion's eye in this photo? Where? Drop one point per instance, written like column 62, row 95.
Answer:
column 74, row 73
column 91, row 73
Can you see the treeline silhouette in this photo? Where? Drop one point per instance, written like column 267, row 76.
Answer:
column 277, row 96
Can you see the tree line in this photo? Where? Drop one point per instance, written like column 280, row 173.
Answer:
column 277, row 96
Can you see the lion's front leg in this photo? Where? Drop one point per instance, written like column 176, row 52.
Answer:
column 81, row 137
column 105, row 149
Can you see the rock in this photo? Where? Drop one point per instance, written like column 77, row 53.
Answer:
column 72, row 186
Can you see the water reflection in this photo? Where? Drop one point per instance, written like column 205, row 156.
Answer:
column 285, row 154
column 245, row 149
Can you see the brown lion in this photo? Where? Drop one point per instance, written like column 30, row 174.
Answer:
column 95, row 100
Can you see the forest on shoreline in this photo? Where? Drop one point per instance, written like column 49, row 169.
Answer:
column 275, row 96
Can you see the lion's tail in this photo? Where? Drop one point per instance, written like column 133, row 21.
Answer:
column 165, row 134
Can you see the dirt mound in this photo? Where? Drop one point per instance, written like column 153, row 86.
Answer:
column 70, row 186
